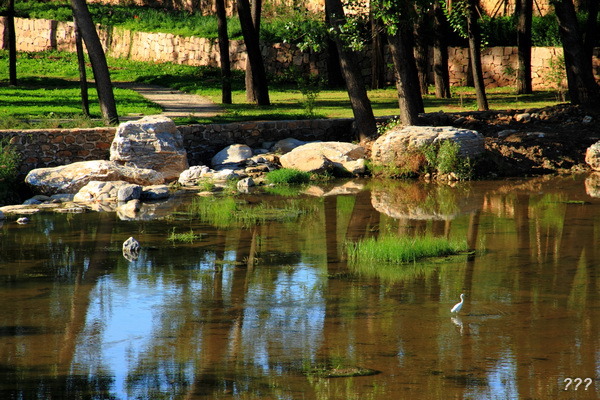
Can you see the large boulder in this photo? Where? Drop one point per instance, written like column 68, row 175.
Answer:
column 70, row 178
column 326, row 156
column 395, row 143
column 592, row 156
column 231, row 156
column 152, row 142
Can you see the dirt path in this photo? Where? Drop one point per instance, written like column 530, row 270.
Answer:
column 174, row 102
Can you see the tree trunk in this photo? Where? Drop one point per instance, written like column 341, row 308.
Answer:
column 98, row 60
column 440, row 53
column 377, row 58
column 475, row 55
column 12, row 43
column 224, row 53
column 85, row 104
column 583, row 88
column 259, row 88
column 591, row 28
column 364, row 120
column 524, row 14
column 421, row 51
column 255, row 11
column 407, row 79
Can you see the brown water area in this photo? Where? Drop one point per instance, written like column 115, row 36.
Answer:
column 271, row 309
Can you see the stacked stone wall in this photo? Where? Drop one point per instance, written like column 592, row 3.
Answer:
column 52, row 147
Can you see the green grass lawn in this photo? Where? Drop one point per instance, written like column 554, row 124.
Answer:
column 48, row 93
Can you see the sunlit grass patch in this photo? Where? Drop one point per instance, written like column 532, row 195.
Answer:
column 400, row 250
column 287, row 176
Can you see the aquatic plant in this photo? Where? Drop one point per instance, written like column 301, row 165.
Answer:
column 399, row 250
column 188, row 237
column 287, row 176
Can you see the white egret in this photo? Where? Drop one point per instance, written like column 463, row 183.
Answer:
column 458, row 306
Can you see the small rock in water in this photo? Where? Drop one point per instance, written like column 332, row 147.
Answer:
column 23, row 220
column 131, row 249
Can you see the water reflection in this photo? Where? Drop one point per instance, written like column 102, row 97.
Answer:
column 255, row 310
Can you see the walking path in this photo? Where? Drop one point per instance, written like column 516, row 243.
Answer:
column 174, row 102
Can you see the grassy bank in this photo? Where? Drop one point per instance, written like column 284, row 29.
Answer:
column 48, row 94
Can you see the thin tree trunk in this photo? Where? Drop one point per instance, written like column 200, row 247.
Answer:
column 407, row 79
column 85, row 104
column 377, row 59
column 259, row 86
column 591, row 29
column 224, row 53
column 440, row 53
column 364, row 120
column 421, row 51
column 475, row 55
column 98, row 59
column 12, row 43
column 524, row 13
column 583, row 88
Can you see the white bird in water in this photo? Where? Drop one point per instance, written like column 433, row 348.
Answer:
column 458, row 306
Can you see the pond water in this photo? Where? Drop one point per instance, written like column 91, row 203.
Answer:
column 267, row 307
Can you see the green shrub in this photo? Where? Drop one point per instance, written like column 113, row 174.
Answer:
column 287, row 176
column 445, row 158
column 9, row 163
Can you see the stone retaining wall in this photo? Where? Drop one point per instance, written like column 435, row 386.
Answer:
column 499, row 63
column 52, row 147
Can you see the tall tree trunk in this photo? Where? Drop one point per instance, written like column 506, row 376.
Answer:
column 377, row 58
column 440, row 53
column 583, row 88
column 591, row 34
column 259, row 88
column 255, row 11
column 524, row 14
column 421, row 50
column 12, row 43
column 85, row 104
column 224, row 53
column 364, row 120
column 407, row 79
column 475, row 55
column 104, row 87
column 335, row 78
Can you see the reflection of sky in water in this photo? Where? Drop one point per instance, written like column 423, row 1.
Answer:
column 125, row 316
column 120, row 328
column 501, row 381
column 286, row 321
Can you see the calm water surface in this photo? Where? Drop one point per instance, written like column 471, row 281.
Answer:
column 264, row 310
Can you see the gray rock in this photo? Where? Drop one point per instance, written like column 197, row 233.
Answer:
column 2, row 216
column 192, row 175
column 286, row 145
column 129, row 192
column 245, row 184
column 524, row 117
column 232, row 155
column 153, row 142
column 131, row 249
column 37, row 199
column 156, row 192
column 326, row 156
column 98, row 191
column 70, row 178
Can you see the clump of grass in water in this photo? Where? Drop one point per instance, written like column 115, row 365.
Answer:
column 287, row 176
column 188, row 237
column 400, row 250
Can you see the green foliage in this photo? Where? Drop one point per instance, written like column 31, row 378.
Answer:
column 383, row 127
column 400, row 250
column 556, row 75
column 287, row 176
column 9, row 163
column 305, row 29
column 445, row 158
